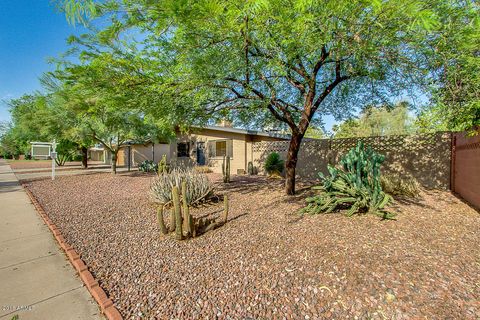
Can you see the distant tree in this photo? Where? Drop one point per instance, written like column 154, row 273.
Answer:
column 455, row 101
column 314, row 132
column 377, row 121
column 38, row 117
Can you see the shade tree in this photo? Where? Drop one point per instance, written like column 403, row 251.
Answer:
column 290, row 61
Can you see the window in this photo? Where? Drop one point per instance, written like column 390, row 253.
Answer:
column 220, row 148
column 183, row 149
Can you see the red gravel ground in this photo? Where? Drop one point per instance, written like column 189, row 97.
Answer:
column 267, row 262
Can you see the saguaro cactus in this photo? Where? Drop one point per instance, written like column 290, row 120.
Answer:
column 250, row 168
column 226, row 169
column 178, row 213
column 188, row 221
column 161, row 223
column 225, row 208
column 171, row 226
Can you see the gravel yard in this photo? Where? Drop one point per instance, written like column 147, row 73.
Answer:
column 267, row 262
column 37, row 164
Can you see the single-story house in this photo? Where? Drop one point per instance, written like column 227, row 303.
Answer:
column 203, row 146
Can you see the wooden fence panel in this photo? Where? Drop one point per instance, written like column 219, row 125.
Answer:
column 466, row 167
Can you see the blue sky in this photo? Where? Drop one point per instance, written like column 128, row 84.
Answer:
column 31, row 31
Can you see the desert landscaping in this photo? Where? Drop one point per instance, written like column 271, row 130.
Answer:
column 268, row 261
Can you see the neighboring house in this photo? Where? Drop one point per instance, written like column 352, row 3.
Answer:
column 203, row 146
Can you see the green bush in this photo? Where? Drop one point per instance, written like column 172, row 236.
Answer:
column 148, row 166
column 354, row 185
column 77, row 157
column 274, row 164
column 396, row 185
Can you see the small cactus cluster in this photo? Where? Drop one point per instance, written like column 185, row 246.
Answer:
column 178, row 191
column 199, row 187
column 354, row 185
column 182, row 222
column 226, row 169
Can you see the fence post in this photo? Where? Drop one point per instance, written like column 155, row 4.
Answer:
column 453, row 144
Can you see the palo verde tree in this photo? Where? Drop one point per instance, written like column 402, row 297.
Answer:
column 107, row 93
column 292, row 60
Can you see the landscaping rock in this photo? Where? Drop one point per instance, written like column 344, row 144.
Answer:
column 267, row 261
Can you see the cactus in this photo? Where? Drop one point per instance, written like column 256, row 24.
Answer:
column 199, row 188
column 161, row 223
column 250, row 169
column 171, row 226
column 225, row 208
column 162, row 165
column 188, row 221
column 355, row 183
column 226, row 169
column 178, row 213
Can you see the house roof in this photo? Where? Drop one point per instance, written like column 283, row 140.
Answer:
column 246, row 131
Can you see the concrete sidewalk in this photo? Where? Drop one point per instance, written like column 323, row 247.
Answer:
column 36, row 279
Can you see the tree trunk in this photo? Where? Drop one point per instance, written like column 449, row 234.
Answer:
column 84, row 157
column 114, row 162
column 291, row 163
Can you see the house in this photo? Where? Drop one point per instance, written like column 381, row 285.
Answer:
column 203, row 146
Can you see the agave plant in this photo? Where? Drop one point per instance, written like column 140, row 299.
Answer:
column 354, row 185
column 198, row 187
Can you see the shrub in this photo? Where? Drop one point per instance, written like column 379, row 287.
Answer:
column 396, row 185
column 77, row 157
column 274, row 164
column 148, row 166
column 354, row 185
column 198, row 187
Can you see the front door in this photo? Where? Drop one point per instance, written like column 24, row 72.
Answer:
column 201, row 153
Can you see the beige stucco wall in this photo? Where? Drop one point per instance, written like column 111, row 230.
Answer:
column 425, row 157
column 238, row 161
column 142, row 152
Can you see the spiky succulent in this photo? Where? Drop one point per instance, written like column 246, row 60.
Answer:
column 198, row 187
column 354, row 185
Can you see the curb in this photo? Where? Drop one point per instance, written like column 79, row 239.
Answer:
column 105, row 303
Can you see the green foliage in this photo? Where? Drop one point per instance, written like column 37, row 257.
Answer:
column 148, row 166
column 66, row 150
column 377, row 121
column 314, row 133
column 198, row 187
column 355, row 185
column 274, row 164
column 287, row 62
column 455, row 103
column 397, row 185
